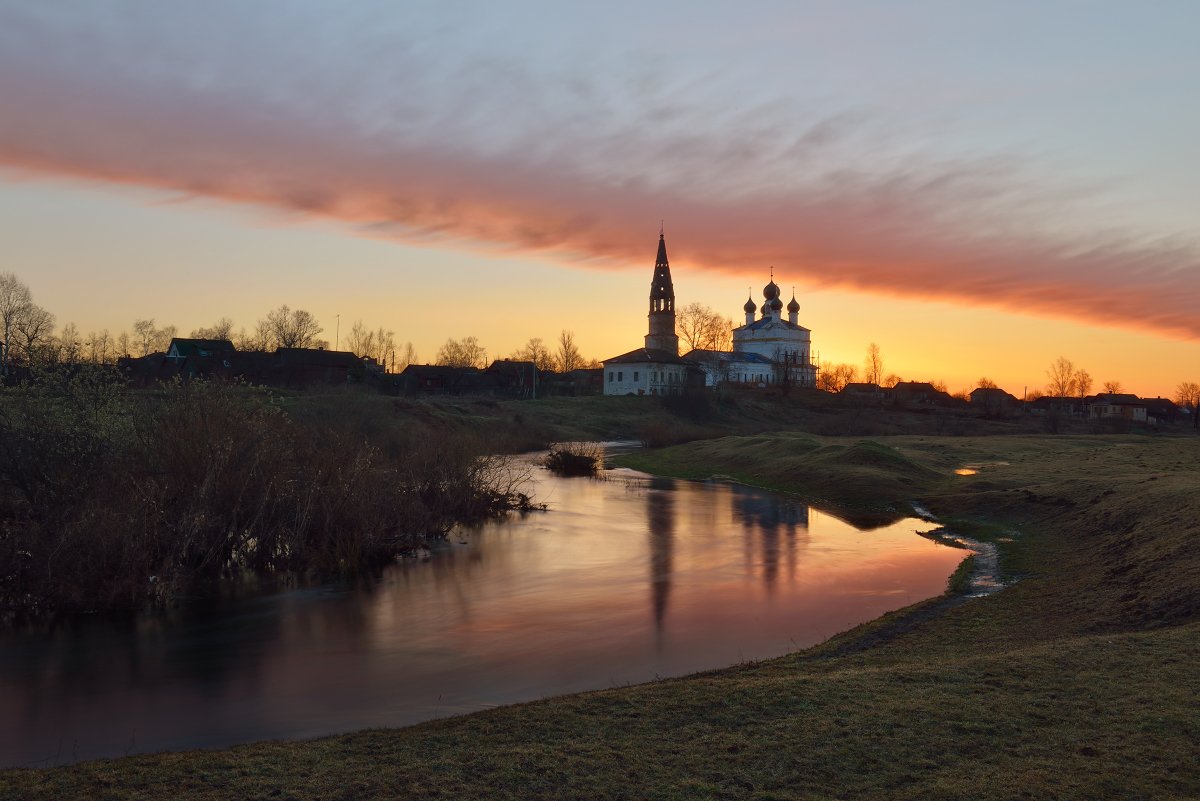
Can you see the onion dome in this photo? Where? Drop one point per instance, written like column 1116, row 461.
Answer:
column 750, row 306
column 771, row 291
column 793, row 306
column 776, row 304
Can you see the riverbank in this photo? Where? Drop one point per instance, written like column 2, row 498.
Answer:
column 1077, row 681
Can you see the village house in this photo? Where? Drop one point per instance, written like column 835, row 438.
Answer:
column 920, row 394
column 995, row 402
column 1118, row 406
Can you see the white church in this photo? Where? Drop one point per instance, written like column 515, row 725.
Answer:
column 767, row 351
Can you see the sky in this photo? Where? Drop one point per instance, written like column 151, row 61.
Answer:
column 978, row 188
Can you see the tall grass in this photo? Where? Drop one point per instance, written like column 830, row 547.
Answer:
column 118, row 499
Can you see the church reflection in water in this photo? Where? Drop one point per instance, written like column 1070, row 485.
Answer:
column 774, row 531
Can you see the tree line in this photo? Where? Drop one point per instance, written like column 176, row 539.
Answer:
column 561, row 357
column 29, row 336
column 1065, row 379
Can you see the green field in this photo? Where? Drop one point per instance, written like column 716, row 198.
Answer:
column 1080, row 680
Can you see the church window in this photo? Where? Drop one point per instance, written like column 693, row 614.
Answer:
column 635, row 375
column 610, row 376
column 620, row 375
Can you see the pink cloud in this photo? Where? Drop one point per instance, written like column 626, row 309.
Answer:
column 967, row 231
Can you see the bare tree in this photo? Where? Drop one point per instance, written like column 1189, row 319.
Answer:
column 99, row 345
column 1083, row 382
column 70, row 347
column 1062, row 378
column 873, row 366
column 292, row 328
column 163, row 337
column 361, row 340
column 835, row 377
column 466, row 352
column 890, row 380
column 124, row 344
column 15, row 299
column 257, row 340
column 1112, row 387
column 568, row 357
column 404, row 356
column 702, row 328
column 32, row 330
column 143, row 332
column 1188, row 394
column 535, row 351
column 987, row 383
column 222, row 329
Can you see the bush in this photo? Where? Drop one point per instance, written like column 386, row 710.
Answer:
column 116, row 499
column 575, row 459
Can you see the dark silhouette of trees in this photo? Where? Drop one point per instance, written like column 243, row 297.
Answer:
column 702, row 328
column 568, row 357
column 371, row 344
column 835, row 377
column 289, row 328
column 222, row 329
column 1067, row 380
column 1112, row 387
column 535, row 351
column 1188, row 394
column 466, row 352
column 873, row 366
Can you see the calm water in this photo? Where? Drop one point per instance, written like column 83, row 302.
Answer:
column 623, row 580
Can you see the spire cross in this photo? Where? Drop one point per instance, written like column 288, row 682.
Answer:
column 661, row 227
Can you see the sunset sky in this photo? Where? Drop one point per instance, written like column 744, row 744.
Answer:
column 977, row 187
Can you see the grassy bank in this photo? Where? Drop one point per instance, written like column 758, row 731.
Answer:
column 1078, row 681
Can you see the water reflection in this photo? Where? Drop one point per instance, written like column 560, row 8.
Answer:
column 622, row 580
column 660, row 525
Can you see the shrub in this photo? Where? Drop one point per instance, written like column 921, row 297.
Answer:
column 575, row 459
column 115, row 499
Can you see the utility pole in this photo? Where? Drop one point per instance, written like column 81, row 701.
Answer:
column 337, row 335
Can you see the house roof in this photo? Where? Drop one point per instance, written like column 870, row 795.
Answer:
column 861, row 386
column 185, row 346
column 701, row 355
column 647, row 356
column 984, row 393
column 315, row 357
column 437, row 371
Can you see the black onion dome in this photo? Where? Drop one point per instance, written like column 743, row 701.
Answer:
column 776, row 304
column 793, row 307
column 750, row 306
column 771, row 291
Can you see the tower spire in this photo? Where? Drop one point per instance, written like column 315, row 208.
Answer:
column 661, row 334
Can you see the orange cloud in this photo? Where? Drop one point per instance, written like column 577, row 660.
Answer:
column 968, row 231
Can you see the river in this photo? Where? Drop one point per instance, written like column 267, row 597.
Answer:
column 622, row 580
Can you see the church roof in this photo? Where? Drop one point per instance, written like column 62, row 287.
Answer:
column 702, row 355
column 766, row 322
column 646, row 355
column 662, row 286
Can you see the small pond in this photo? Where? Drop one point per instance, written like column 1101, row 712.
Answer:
column 622, row 580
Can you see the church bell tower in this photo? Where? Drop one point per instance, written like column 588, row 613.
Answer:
column 662, row 305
